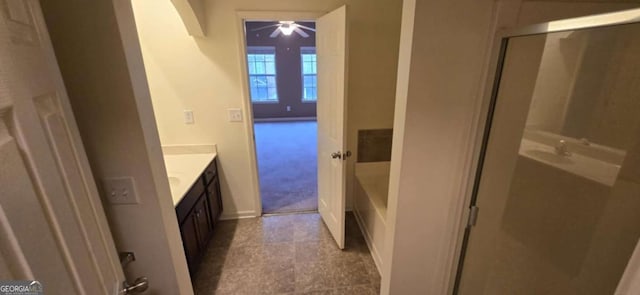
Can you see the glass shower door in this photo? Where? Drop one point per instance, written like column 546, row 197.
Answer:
column 559, row 184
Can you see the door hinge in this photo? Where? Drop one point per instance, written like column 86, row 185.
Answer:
column 126, row 258
column 473, row 216
column 346, row 155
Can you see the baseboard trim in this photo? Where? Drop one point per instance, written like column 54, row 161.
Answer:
column 375, row 254
column 239, row 215
column 291, row 119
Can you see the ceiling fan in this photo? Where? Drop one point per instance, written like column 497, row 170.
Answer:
column 286, row 28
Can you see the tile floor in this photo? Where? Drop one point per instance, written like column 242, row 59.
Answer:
column 286, row 254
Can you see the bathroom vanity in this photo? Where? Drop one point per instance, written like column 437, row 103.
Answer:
column 195, row 189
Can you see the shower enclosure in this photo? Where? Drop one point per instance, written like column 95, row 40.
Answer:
column 558, row 184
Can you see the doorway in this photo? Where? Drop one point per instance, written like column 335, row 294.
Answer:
column 331, row 86
column 282, row 79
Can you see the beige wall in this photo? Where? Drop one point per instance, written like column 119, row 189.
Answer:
column 96, row 46
column 204, row 75
column 443, row 63
column 555, row 78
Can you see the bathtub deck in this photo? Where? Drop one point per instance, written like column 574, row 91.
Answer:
column 370, row 205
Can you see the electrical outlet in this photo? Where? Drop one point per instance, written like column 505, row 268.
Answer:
column 288, row 108
column 120, row 190
column 235, row 115
column 188, row 117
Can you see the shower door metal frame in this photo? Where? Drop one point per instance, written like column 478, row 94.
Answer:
column 490, row 98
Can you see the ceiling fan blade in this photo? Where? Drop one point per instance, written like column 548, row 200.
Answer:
column 305, row 27
column 301, row 32
column 275, row 33
column 260, row 28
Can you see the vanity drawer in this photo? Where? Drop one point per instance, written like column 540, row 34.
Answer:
column 189, row 200
column 210, row 172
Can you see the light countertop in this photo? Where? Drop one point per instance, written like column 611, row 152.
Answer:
column 183, row 171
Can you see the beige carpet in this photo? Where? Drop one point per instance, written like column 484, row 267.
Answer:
column 287, row 165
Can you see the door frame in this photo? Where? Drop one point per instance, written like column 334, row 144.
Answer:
column 247, row 106
column 481, row 134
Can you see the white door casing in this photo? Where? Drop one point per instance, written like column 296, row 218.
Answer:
column 331, row 109
column 52, row 225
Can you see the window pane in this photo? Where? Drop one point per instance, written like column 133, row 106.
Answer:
column 271, row 81
column 251, row 65
column 262, row 75
column 271, row 68
column 273, row 94
column 308, row 63
column 309, row 81
column 310, row 86
column 260, row 68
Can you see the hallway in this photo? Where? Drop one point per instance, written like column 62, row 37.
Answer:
column 287, row 165
column 286, row 254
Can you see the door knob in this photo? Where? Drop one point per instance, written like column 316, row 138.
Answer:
column 140, row 285
column 336, row 155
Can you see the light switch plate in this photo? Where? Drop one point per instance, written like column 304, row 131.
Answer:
column 235, row 115
column 188, row 117
column 120, row 190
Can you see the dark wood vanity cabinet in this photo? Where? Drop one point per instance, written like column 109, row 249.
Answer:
column 198, row 212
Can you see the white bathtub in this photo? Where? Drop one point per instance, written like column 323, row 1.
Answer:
column 370, row 205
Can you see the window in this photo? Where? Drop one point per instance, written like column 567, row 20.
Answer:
column 309, row 74
column 262, row 74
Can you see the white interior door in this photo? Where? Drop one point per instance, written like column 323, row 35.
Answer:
column 52, row 225
column 331, row 53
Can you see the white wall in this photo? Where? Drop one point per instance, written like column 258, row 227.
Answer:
column 447, row 53
column 204, row 75
column 443, row 65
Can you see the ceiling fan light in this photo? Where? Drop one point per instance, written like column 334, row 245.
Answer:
column 287, row 29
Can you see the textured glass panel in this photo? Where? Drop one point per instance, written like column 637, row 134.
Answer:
column 561, row 177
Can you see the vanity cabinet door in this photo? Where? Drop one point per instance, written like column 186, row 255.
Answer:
column 213, row 192
column 201, row 212
column 190, row 241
